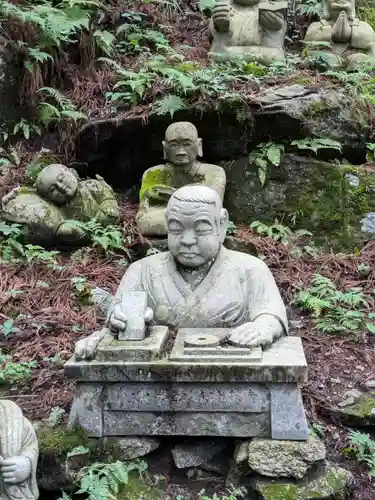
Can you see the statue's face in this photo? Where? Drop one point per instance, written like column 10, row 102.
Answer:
column 341, row 5
column 57, row 184
column 194, row 233
column 182, row 145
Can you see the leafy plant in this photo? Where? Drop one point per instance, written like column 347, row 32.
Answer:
column 265, row 154
column 310, row 7
column 315, row 144
column 362, row 447
column 8, row 327
column 370, row 156
column 332, row 309
column 55, row 417
column 62, row 109
column 12, row 372
column 169, row 105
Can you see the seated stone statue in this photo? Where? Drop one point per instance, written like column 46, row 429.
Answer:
column 248, row 29
column 352, row 42
column 198, row 282
column 59, row 198
column 181, row 148
column 18, row 454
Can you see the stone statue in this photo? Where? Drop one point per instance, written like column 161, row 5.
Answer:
column 60, row 198
column 352, row 42
column 18, row 454
column 249, row 29
column 199, row 283
column 181, row 148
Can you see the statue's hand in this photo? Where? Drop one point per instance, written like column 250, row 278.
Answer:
column 118, row 320
column 248, row 335
column 272, row 21
column 86, row 348
column 160, row 193
column 221, row 16
column 15, row 470
column 342, row 31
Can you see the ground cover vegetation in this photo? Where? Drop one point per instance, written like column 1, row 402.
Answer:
column 81, row 60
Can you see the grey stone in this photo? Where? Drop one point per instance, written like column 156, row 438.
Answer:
column 86, row 410
column 368, row 223
column 101, row 299
column 370, row 384
column 133, row 307
column 346, row 402
column 288, row 419
column 128, row 448
column 353, row 180
column 358, row 414
column 327, row 483
column 193, row 453
column 290, row 459
column 230, row 424
column 163, row 397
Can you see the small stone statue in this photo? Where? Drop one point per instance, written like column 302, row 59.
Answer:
column 181, row 148
column 18, row 454
column 352, row 42
column 199, row 283
column 249, row 29
column 59, row 198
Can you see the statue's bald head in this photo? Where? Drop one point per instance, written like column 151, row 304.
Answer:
column 182, row 145
column 197, row 225
column 181, row 130
column 195, row 194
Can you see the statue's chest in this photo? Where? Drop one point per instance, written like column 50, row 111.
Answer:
column 246, row 28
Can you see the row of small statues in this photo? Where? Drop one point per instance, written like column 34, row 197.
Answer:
column 49, row 211
column 255, row 31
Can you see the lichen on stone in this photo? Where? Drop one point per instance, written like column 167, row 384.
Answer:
column 59, row 441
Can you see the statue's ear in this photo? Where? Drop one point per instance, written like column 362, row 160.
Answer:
column 74, row 172
column 200, row 148
column 224, row 219
column 164, row 151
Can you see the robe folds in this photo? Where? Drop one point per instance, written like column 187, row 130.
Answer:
column 237, row 289
column 17, row 437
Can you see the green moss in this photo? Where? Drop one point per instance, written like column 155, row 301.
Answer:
column 136, row 488
column 58, row 441
column 362, row 408
column 279, row 491
column 317, row 107
column 367, row 14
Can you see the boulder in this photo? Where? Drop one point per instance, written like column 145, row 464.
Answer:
column 274, row 458
column 128, row 448
column 329, row 482
column 195, row 452
column 361, row 413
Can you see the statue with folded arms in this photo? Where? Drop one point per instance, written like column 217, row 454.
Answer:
column 351, row 41
column 18, row 454
column 60, row 199
column 198, row 283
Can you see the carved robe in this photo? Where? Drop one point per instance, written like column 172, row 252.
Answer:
column 238, row 288
column 17, row 437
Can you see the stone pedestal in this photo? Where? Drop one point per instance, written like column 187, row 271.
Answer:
column 147, row 388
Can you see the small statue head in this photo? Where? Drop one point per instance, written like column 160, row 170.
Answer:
column 332, row 9
column 197, row 225
column 182, row 145
column 57, row 183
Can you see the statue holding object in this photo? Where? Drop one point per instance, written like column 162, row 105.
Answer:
column 18, row 454
column 248, row 29
column 352, row 42
column 199, row 283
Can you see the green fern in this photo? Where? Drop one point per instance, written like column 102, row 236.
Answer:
column 265, row 154
column 315, row 144
column 169, row 105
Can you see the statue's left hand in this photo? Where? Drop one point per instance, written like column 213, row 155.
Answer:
column 272, row 21
column 15, row 470
column 249, row 335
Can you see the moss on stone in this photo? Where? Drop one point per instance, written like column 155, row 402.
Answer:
column 58, row 441
column 360, row 413
column 137, row 488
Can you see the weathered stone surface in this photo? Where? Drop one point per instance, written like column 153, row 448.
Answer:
column 193, row 453
column 128, row 448
column 328, row 483
column 156, row 396
column 86, row 410
column 320, row 192
column 288, row 419
column 359, row 414
column 117, row 423
column 284, row 362
column 133, row 306
column 290, row 459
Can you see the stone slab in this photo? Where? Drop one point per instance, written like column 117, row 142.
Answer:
column 288, row 418
column 188, row 397
column 116, row 423
column 133, row 306
column 284, row 362
column 148, row 349
column 86, row 410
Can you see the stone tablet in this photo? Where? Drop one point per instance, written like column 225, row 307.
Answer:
column 133, row 306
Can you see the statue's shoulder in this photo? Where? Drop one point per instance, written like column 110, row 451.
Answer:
column 155, row 169
column 245, row 261
column 154, row 261
column 212, row 170
column 315, row 28
column 363, row 27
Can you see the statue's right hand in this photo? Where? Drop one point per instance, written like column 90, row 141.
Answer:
column 117, row 320
column 221, row 16
column 86, row 348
